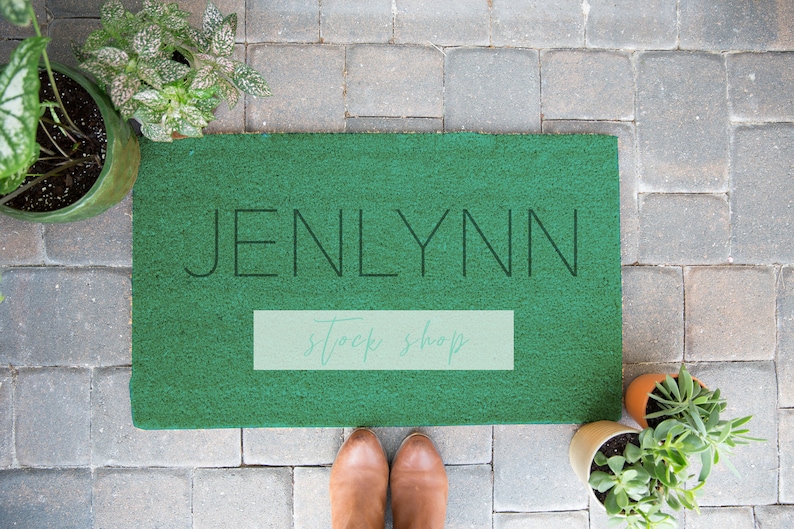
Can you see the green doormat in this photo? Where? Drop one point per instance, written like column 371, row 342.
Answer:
column 376, row 279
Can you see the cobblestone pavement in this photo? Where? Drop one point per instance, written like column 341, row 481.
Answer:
column 701, row 96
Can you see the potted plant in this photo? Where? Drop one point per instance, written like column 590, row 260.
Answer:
column 164, row 73
column 635, row 474
column 685, row 400
column 51, row 168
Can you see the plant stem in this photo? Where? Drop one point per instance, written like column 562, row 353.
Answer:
column 22, row 189
column 49, row 69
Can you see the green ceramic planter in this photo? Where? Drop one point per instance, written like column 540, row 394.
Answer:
column 118, row 174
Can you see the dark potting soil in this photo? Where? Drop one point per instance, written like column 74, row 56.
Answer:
column 613, row 447
column 63, row 189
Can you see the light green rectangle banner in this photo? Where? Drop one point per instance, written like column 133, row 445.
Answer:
column 383, row 340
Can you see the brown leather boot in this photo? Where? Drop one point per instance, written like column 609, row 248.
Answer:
column 359, row 479
column 419, row 485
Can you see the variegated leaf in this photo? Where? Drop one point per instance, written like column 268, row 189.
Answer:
column 111, row 12
column 150, row 97
column 149, row 74
column 155, row 132
column 102, row 73
column 95, row 40
column 228, row 92
column 123, row 88
column 172, row 70
column 225, row 65
column 112, row 57
column 205, row 78
column 153, row 8
column 148, row 115
column 186, row 128
column 193, row 115
column 147, row 41
column 250, row 81
column 223, row 39
column 212, row 19
column 15, row 11
column 19, row 107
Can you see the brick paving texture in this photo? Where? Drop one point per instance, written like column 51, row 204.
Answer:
column 701, row 97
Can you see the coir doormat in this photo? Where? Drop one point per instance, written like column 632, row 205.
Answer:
column 376, row 279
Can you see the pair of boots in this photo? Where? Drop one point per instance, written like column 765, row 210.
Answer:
column 360, row 477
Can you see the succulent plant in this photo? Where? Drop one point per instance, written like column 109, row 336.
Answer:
column 165, row 73
column 697, row 410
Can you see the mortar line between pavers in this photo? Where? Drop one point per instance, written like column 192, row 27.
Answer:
column 677, row 25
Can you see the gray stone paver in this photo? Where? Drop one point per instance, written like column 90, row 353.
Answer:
column 346, row 21
column 21, row 243
column 653, row 314
column 45, row 499
column 86, row 242
column 394, row 81
column 537, row 24
column 245, row 498
column 291, row 446
column 761, row 86
column 616, row 24
column 785, row 329
column 312, row 502
column 786, row 440
column 749, row 388
column 464, row 22
column 705, row 130
column 682, row 133
column 308, row 88
column 142, row 498
column 733, row 517
column 283, row 21
column 473, row 75
column 774, row 516
column 65, row 317
column 520, row 471
column 6, row 417
column 542, row 520
column 685, row 229
column 730, row 313
column 116, row 442
column 587, row 85
column 736, row 25
column 762, row 205
column 53, row 423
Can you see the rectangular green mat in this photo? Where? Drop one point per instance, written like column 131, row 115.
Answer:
column 376, row 279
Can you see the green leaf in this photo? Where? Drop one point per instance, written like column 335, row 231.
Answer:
column 150, row 97
column 156, row 132
column 95, row 40
column 123, row 88
column 147, row 41
column 102, row 73
column 212, row 19
column 111, row 12
column 222, row 43
column 228, row 92
column 15, row 11
column 149, row 74
column 616, row 463
column 113, row 57
column 205, row 78
column 172, row 70
column 19, row 108
column 600, row 459
column 250, row 81
column 153, row 8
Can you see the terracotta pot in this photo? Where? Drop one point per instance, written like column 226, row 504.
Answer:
column 636, row 398
column 118, row 173
column 587, row 441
